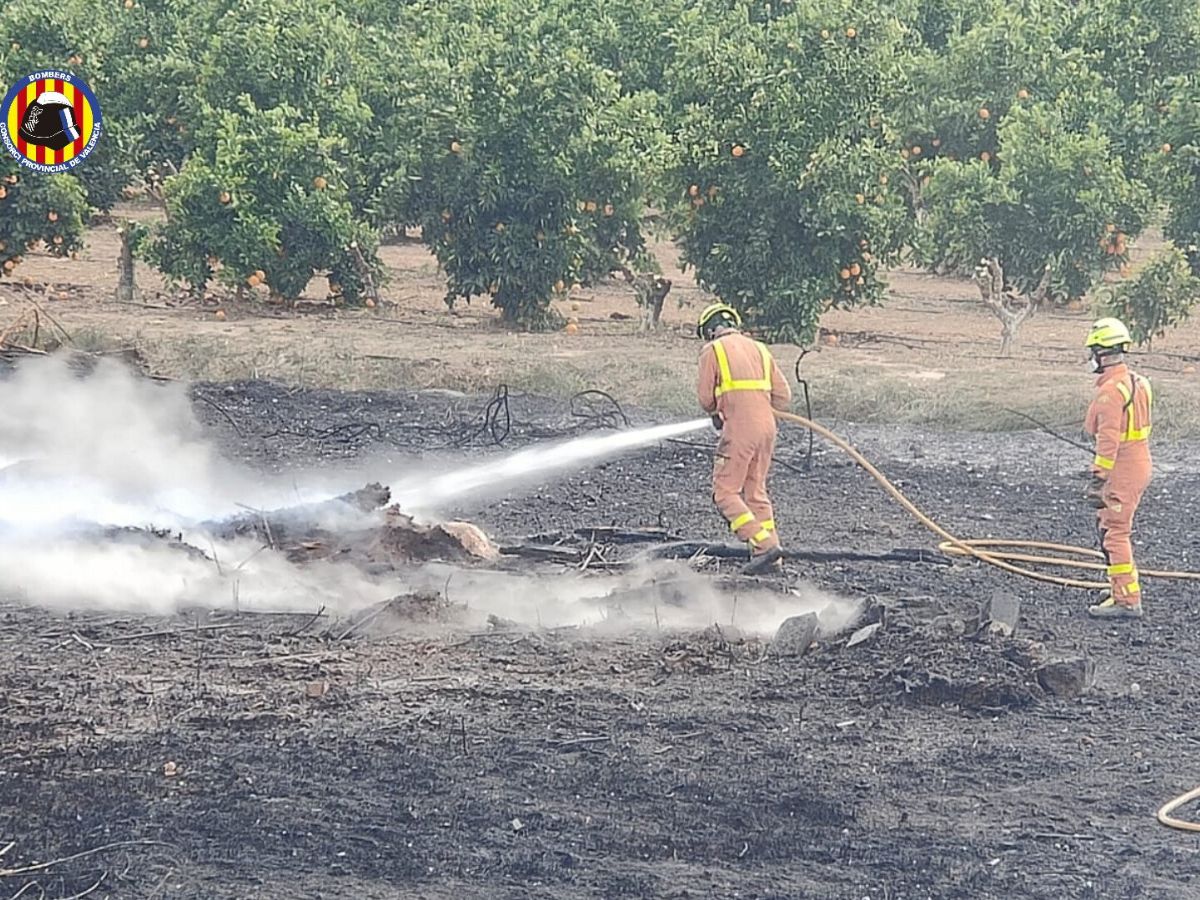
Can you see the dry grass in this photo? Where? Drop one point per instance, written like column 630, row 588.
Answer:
column 924, row 358
column 843, row 389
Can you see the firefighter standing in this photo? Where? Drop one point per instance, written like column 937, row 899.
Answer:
column 741, row 385
column 1119, row 420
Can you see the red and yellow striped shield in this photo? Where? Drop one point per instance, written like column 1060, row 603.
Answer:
column 64, row 105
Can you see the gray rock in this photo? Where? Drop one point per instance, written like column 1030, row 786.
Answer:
column 999, row 615
column 863, row 634
column 795, row 635
column 1068, row 677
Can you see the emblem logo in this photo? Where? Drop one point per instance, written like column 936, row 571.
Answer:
column 50, row 121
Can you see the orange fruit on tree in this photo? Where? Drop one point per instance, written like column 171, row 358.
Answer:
column 984, row 113
column 253, row 281
column 824, row 34
column 985, row 156
column 855, row 269
column 904, row 154
column 3, row 192
column 320, row 183
column 608, row 209
column 738, row 151
column 571, row 328
column 935, row 143
column 1166, row 148
column 224, row 197
column 694, row 190
column 219, row 315
column 844, row 274
column 144, row 42
column 370, row 304
column 260, row 274
column 860, row 199
column 52, row 216
column 455, row 147
column 916, row 150
column 57, row 239
column 851, row 33
column 1022, row 94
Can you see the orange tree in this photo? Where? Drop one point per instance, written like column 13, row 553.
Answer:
column 1046, row 216
column 1158, row 298
column 783, row 191
column 38, row 211
column 533, row 166
column 260, row 201
column 1139, row 48
column 1178, row 173
column 123, row 50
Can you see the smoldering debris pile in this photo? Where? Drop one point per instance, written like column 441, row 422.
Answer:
column 358, row 529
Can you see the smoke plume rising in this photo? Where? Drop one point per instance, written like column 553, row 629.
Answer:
column 85, row 462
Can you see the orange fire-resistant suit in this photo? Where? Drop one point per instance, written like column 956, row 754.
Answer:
column 740, row 381
column 1119, row 419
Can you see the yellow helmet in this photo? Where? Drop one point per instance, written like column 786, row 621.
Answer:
column 717, row 314
column 1108, row 334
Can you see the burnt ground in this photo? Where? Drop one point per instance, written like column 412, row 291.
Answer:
column 924, row 763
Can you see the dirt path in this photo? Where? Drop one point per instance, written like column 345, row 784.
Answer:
column 926, row 356
column 599, row 762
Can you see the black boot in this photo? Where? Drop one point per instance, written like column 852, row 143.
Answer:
column 765, row 562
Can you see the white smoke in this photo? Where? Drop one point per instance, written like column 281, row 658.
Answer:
column 115, row 449
column 79, row 455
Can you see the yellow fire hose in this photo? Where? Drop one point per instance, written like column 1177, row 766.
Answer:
column 1004, row 559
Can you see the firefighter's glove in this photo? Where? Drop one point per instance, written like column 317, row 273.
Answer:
column 1095, row 493
column 717, row 423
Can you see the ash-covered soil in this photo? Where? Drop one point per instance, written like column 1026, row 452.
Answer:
column 214, row 755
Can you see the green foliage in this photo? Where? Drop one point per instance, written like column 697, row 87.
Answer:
column 784, row 190
column 37, row 209
column 533, row 169
column 1179, row 171
column 1158, row 298
column 261, row 194
column 527, row 140
column 1052, row 197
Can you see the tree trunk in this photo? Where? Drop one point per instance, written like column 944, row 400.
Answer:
column 1011, row 308
column 364, row 273
column 127, row 291
column 651, row 292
